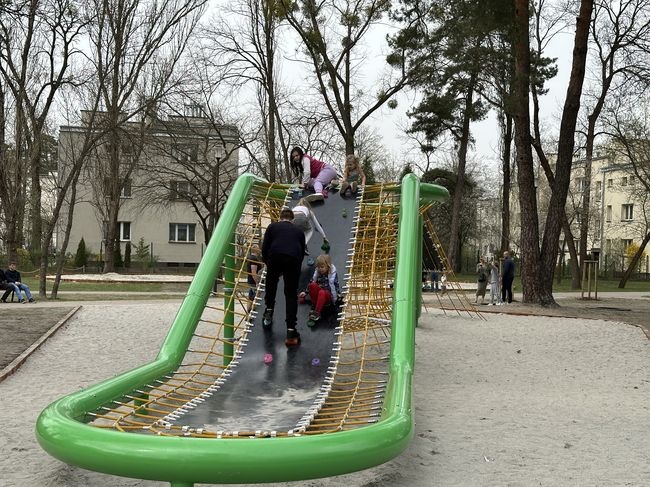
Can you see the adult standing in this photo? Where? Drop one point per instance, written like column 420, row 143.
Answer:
column 283, row 249
column 311, row 172
column 507, row 276
column 493, row 280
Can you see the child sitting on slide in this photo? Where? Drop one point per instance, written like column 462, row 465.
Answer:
column 323, row 288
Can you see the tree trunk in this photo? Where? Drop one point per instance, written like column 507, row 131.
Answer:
column 506, row 130
column 634, row 262
column 566, row 145
column 524, row 157
column 454, row 236
column 35, row 202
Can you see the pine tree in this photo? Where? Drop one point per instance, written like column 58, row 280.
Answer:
column 81, row 258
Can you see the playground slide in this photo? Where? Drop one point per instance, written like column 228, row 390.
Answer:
column 267, row 424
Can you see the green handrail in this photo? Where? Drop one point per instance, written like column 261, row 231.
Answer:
column 183, row 461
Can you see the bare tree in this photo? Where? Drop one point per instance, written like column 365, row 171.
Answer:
column 242, row 46
column 136, row 46
column 37, row 43
column 620, row 34
column 628, row 123
column 332, row 33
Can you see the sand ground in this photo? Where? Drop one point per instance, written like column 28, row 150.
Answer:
column 515, row 400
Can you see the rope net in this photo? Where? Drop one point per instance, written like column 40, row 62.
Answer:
column 353, row 390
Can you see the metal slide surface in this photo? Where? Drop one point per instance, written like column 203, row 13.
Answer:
column 257, row 395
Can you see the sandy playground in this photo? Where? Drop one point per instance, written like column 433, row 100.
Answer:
column 511, row 401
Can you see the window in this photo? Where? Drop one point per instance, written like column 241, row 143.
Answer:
column 581, row 184
column 627, row 212
column 578, row 217
column 126, row 189
column 182, row 232
column 624, row 181
column 608, row 216
column 125, row 231
column 181, row 190
column 608, row 246
column 185, row 153
column 599, row 190
column 626, row 243
column 610, row 183
column 631, row 180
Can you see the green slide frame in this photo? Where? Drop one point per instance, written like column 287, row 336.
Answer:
column 183, row 461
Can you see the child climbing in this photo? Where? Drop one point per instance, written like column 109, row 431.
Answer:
column 324, row 287
column 305, row 219
column 353, row 175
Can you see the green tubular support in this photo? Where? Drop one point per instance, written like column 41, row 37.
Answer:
column 185, row 461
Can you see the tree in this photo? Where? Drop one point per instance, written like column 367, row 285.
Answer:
column 136, row 48
column 620, row 34
column 441, row 213
column 81, row 257
column 628, row 123
column 538, row 264
column 244, row 52
column 457, row 47
column 332, row 33
column 142, row 251
column 37, row 46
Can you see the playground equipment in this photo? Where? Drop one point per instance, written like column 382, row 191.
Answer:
column 226, row 402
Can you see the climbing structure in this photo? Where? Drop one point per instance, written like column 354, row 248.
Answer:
column 208, row 409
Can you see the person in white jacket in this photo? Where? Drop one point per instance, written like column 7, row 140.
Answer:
column 305, row 219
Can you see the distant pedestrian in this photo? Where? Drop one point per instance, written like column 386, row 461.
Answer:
column 311, row 172
column 13, row 279
column 435, row 279
column 493, row 281
column 507, row 276
column 481, row 280
column 283, row 249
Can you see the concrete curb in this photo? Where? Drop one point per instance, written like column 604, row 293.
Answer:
column 18, row 361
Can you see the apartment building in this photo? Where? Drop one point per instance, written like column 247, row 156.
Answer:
column 178, row 173
column 617, row 204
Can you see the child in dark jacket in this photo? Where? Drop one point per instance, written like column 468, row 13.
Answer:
column 323, row 288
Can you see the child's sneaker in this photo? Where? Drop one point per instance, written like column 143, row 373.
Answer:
column 267, row 318
column 293, row 338
column 325, row 192
column 313, row 318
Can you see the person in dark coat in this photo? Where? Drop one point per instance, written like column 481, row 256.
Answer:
column 5, row 286
column 507, row 276
column 283, row 249
column 14, row 280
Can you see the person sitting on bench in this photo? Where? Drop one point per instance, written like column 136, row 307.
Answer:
column 13, row 279
column 4, row 286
